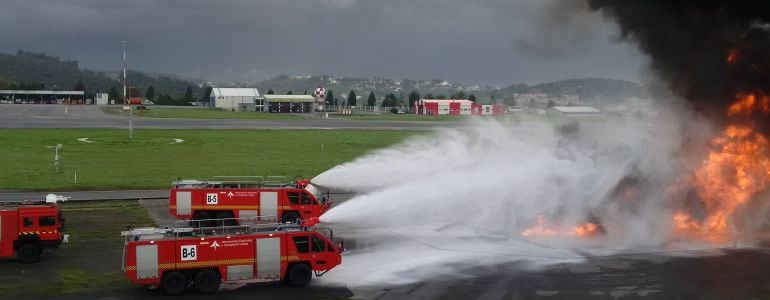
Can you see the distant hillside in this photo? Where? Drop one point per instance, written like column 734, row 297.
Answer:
column 38, row 68
column 599, row 89
column 28, row 70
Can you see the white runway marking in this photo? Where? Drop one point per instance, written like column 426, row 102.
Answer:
column 85, row 140
column 177, row 141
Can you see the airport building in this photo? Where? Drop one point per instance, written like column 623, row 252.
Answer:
column 290, row 103
column 237, row 99
column 573, row 111
column 42, row 97
column 455, row 107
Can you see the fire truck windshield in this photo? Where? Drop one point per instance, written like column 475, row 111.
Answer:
column 315, row 191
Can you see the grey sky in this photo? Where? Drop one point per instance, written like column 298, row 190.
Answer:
column 495, row 42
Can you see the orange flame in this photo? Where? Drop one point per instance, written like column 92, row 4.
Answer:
column 540, row 229
column 736, row 171
column 732, row 56
column 586, row 230
column 543, row 229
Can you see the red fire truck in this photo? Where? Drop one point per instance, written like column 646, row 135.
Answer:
column 270, row 199
column 177, row 258
column 28, row 227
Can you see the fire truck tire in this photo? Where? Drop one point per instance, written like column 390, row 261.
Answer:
column 299, row 275
column 207, row 281
column 28, row 253
column 173, row 284
column 290, row 217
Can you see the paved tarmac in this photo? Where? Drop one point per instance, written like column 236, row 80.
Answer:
column 712, row 273
column 706, row 273
column 91, row 116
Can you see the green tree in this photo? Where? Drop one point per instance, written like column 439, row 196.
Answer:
column 550, row 103
column 289, row 93
column 270, row 92
column 150, row 93
column 472, row 97
column 459, row 95
column 414, row 96
column 79, row 86
column 390, row 101
column 330, row 97
column 188, row 96
column 206, row 94
column 352, row 98
column 134, row 92
column 305, row 93
column 114, row 95
column 372, row 101
column 6, row 84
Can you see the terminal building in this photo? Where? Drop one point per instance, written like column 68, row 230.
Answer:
column 42, row 97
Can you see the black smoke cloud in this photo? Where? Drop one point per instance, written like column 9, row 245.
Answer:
column 689, row 41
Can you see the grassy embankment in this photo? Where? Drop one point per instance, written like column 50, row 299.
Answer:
column 152, row 159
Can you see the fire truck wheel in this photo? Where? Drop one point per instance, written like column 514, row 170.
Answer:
column 290, row 217
column 299, row 275
column 174, row 283
column 207, row 281
column 28, row 253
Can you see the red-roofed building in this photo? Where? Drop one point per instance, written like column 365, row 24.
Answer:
column 455, row 107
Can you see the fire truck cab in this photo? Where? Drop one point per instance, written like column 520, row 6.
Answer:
column 29, row 227
column 271, row 200
column 200, row 258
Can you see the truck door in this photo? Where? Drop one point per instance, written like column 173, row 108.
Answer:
column 319, row 259
column 308, row 207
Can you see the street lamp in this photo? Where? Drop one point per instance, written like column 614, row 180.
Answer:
column 124, row 45
column 55, row 156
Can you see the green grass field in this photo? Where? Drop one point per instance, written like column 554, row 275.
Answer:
column 198, row 113
column 152, row 160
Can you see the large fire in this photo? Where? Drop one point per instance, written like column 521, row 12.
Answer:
column 736, row 170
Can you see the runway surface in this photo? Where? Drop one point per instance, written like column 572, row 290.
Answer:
column 91, row 116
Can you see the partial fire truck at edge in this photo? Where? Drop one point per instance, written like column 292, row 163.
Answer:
column 201, row 258
column 233, row 199
column 29, row 227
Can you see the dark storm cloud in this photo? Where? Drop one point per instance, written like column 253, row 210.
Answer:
column 493, row 41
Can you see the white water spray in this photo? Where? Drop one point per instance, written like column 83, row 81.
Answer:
column 466, row 194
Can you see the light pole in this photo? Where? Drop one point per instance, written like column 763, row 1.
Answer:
column 124, row 44
column 55, row 156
